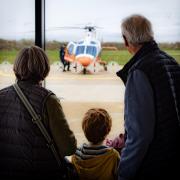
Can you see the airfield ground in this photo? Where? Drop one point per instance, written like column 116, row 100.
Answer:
column 79, row 92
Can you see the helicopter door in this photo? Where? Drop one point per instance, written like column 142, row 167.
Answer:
column 69, row 54
column 70, row 49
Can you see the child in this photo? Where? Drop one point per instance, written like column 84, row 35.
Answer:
column 95, row 160
column 117, row 143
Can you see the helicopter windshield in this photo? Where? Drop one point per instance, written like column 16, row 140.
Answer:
column 80, row 50
column 92, row 50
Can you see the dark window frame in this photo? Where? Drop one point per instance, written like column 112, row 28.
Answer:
column 40, row 26
column 40, row 23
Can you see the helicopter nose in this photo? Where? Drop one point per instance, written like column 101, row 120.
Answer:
column 84, row 61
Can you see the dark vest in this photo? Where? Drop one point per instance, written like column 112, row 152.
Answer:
column 23, row 149
column 163, row 73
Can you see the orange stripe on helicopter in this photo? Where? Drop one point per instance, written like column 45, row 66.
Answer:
column 85, row 61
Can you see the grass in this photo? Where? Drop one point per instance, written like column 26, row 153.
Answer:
column 121, row 57
column 9, row 56
column 174, row 53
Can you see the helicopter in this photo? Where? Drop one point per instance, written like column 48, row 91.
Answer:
column 86, row 51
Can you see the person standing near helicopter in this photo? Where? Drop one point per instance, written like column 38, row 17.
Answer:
column 64, row 62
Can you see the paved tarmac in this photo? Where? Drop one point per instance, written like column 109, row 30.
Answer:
column 79, row 92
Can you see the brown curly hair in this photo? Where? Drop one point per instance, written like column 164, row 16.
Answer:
column 96, row 125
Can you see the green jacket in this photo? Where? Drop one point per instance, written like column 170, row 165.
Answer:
column 55, row 120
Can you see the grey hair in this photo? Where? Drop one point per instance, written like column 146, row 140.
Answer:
column 137, row 29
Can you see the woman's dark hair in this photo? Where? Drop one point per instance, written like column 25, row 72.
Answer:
column 31, row 64
column 96, row 125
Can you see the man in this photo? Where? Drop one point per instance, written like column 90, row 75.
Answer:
column 64, row 62
column 152, row 105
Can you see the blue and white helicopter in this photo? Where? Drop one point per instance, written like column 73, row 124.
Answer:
column 85, row 51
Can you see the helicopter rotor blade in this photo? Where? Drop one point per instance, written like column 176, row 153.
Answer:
column 62, row 28
column 87, row 27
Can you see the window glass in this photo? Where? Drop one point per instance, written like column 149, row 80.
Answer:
column 80, row 50
column 92, row 50
column 17, row 19
column 93, row 42
column 80, row 42
column 69, row 21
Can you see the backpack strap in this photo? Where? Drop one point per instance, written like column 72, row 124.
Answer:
column 36, row 119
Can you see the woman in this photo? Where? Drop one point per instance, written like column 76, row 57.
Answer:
column 23, row 149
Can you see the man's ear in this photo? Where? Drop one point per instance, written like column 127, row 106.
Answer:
column 125, row 41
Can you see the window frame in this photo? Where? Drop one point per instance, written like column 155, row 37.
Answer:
column 40, row 23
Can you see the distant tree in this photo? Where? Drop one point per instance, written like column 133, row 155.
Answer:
column 54, row 45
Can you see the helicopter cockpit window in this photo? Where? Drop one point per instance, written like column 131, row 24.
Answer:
column 92, row 50
column 70, row 49
column 93, row 42
column 80, row 50
column 80, row 42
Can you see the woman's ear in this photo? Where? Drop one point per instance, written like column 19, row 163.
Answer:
column 125, row 41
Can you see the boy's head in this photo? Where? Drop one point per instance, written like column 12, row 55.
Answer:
column 96, row 125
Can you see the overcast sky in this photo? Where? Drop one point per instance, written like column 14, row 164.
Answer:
column 17, row 18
